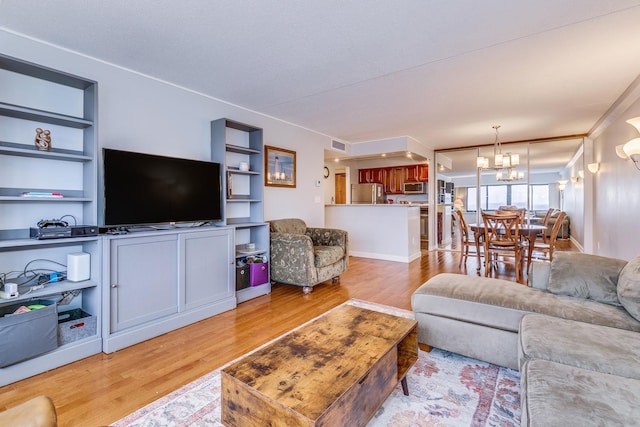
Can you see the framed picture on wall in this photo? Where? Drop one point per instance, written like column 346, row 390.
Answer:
column 280, row 167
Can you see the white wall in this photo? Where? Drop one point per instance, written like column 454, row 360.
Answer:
column 616, row 192
column 139, row 113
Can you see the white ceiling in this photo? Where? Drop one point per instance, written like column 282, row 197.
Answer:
column 442, row 72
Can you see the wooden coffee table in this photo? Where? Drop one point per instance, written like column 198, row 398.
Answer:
column 335, row 371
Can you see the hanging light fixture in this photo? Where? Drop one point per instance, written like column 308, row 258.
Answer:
column 503, row 164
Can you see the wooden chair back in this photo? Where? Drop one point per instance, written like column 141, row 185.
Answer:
column 548, row 215
column 501, row 230
column 545, row 222
column 502, row 238
column 556, row 228
column 464, row 228
column 522, row 212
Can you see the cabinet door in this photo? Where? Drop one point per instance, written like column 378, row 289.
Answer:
column 364, row 176
column 396, row 181
column 207, row 260
column 144, row 273
column 411, row 173
column 423, row 173
column 378, row 175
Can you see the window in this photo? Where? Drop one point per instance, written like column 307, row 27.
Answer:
column 472, row 192
column 519, row 195
column 494, row 196
column 540, row 197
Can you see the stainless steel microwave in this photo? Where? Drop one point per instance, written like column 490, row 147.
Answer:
column 415, row 187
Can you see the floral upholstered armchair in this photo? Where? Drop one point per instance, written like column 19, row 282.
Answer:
column 305, row 256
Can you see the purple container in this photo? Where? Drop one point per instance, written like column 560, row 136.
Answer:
column 258, row 273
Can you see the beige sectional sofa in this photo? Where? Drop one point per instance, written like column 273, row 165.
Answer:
column 573, row 334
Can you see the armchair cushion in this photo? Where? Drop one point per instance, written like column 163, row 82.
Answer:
column 629, row 287
column 586, row 276
column 327, row 255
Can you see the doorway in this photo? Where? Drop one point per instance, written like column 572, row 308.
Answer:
column 341, row 188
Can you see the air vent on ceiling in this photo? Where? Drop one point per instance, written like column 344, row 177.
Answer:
column 337, row 145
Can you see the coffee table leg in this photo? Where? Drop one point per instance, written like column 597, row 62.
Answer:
column 405, row 387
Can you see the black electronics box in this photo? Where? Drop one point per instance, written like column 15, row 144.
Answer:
column 42, row 233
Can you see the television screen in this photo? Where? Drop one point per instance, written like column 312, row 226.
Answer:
column 142, row 189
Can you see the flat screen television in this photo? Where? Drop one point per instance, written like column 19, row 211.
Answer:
column 147, row 189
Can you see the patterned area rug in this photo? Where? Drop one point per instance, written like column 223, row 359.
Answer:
column 445, row 389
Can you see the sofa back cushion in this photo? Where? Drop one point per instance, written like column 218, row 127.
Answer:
column 585, row 276
column 629, row 287
column 288, row 225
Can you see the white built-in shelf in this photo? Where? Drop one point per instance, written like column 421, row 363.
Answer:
column 241, row 150
column 44, row 199
column 12, row 149
column 51, row 289
column 27, row 243
column 239, row 172
column 243, row 200
column 25, row 113
column 247, row 224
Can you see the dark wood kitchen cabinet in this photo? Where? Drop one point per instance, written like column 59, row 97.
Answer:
column 393, row 178
column 378, row 175
column 364, row 176
column 395, row 181
column 423, row 172
column 372, row 175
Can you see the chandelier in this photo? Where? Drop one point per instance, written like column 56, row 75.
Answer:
column 503, row 164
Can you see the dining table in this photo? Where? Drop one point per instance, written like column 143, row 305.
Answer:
column 526, row 231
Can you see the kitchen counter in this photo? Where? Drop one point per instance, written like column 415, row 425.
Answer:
column 385, row 231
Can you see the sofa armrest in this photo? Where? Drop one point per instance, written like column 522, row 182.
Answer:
column 292, row 259
column 539, row 273
column 327, row 236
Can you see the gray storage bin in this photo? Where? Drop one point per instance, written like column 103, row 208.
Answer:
column 74, row 325
column 25, row 335
column 242, row 277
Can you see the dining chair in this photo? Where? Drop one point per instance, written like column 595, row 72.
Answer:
column 502, row 241
column 547, row 247
column 466, row 237
column 545, row 222
column 506, row 210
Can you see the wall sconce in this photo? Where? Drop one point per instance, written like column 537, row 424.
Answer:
column 575, row 179
column 562, row 184
column 581, row 173
column 593, row 167
column 631, row 150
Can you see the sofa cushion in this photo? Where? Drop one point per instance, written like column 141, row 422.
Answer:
column 327, row 255
column 288, row 225
column 553, row 394
column 629, row 287
column 585, row 276
column 583, row 345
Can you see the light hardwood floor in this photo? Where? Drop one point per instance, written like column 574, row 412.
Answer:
column 106, row 387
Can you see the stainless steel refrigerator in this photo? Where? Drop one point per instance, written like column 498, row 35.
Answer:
column 370, row 194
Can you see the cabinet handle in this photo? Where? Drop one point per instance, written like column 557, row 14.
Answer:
column 114, row 286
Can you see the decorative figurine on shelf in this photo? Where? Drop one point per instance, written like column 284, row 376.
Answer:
column 43, row 139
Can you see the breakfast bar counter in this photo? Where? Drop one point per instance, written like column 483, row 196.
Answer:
column 385, row 231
